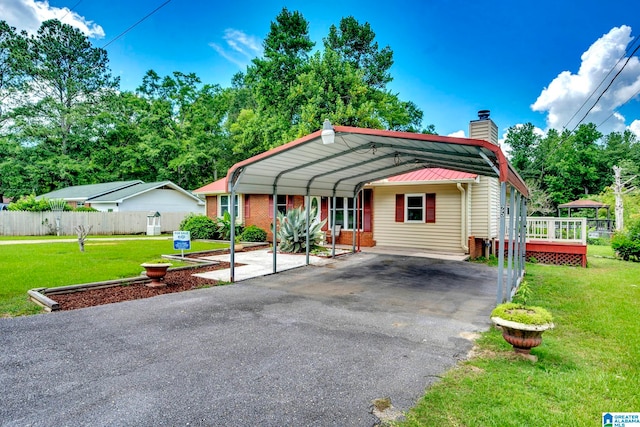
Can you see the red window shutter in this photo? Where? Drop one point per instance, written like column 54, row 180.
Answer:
column 399, row 207
column 289, row 203
column 430, row 207
column 270, row 206
column 366, row 212
column 247, row 209
column 324, row 211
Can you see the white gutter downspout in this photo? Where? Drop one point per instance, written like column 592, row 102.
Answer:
column 463, row 218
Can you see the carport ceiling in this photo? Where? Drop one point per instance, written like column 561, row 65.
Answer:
column 306, row 166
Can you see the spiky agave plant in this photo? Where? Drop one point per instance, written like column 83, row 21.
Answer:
column 293, row 230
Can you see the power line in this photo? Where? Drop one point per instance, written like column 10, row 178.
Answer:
column 607, row 88
column 69, row 10
column 624, row 54
column 621, row 105
column 134, row 25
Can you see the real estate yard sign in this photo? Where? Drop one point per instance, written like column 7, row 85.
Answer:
column 182, row 240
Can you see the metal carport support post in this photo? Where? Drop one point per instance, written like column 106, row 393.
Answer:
column 512, row 231
column 232, row 235
column 275, row 219
column 332, row 229
column 523, row 235
column 503, row 212
column 355, row 223
column 518, row 249
column 307, row 203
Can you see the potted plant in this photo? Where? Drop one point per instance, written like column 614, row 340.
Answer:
column 522, row 326
column 238, row 246
column 156, row 270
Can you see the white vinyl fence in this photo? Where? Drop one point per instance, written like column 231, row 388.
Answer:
column 13, row 223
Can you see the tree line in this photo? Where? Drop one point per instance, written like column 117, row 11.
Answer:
column 561, row 167
column 64, row 121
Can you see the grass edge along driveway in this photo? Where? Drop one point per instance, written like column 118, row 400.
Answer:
column 28, row 266
column 589, row 364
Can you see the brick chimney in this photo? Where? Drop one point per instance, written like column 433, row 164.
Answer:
column 484, row 128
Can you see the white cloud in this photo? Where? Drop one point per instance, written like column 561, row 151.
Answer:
column 457, row 134
column 240, row 48
column 566, row 93
column 635, row 127
column 29, row 14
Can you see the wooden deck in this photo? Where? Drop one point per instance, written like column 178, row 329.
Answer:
column 558, row 253
column 555, row 253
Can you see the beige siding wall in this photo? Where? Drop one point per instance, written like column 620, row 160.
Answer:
column 443, row 235
column 494, row 207
column 485, row 208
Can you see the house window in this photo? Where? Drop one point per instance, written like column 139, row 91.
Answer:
column 344, row 213
column 223, row 205
column 414, row 207
column 282, row 204
column 418, row 208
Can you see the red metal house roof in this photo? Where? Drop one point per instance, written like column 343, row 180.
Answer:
column 215, row 187
column 432, row 174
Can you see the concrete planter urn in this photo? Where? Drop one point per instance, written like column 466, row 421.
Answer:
column 522, row 326
column 156, row 272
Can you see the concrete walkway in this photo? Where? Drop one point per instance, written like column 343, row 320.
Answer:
column 259, row 263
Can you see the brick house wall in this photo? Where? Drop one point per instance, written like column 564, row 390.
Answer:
column 212, row 206
column 258, row 210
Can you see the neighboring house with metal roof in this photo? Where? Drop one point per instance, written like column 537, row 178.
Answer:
column 121, row 196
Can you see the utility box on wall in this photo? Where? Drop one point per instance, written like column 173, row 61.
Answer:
column 153, row 224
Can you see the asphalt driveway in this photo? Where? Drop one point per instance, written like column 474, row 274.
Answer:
column 311, row 346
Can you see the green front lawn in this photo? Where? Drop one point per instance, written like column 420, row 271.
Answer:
column 44, row 265
column 589, row 364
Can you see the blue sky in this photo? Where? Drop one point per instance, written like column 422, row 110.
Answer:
column 526, row 61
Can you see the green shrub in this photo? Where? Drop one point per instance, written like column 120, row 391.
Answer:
column 86, row 209
column 293, row 231
column 30, row 204
column 200, row 226
column 522, row 314
column 627, row 244
column 253, row 233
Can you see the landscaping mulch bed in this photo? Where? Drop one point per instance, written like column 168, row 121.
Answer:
column 177, row 281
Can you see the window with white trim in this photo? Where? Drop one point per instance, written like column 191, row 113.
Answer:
column 414, row 207
column 223, row 205
column 344, row 209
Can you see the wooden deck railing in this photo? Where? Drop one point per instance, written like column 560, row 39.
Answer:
column 560, row 230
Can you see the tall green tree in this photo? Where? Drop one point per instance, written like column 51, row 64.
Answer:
column 355, row 43
column 67, row 77
column 13, row 66
column 286, row 52
column 523, row 141
column 573, row 165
